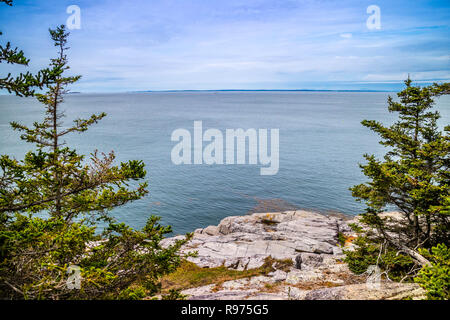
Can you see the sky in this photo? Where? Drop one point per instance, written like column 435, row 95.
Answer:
column 237, row 44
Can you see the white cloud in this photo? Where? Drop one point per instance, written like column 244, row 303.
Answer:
column 161, row 45
column 346, row 35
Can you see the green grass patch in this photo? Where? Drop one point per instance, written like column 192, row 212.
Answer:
column 189, row 275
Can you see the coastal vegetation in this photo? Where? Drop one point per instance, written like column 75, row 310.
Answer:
column 414, row 178
column 52, row 202
column 189, row 275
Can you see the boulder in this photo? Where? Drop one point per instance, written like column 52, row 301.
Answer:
column 211, row 231
column 308, row 260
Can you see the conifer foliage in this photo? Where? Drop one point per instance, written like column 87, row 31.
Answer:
column 24, row 83
column 412, row 178
column 414, row 174
column 52, row 201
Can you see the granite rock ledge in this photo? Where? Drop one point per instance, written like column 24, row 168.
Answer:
column 309, row 239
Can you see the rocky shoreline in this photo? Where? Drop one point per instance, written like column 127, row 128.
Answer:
column 309, row 239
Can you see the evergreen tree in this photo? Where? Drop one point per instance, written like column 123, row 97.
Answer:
column 36, row 252
column 24, row 83
column 413, row 177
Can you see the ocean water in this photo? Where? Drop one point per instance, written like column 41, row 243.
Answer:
column 321, row 144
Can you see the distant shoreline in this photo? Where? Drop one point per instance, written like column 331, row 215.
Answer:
column 263, row 90
column 223, row 90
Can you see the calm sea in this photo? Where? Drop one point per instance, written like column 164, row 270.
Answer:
column 321, row 144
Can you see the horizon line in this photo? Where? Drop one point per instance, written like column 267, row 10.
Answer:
column 229, row 90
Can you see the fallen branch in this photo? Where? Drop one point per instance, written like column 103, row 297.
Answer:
column 412, row 253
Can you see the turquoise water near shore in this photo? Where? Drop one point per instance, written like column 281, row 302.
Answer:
column 321, row 144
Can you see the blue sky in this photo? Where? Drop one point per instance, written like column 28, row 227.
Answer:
column 236, row 44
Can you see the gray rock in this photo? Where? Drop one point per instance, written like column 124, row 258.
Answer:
column 386, row 291
column 278, row 275
column 294, row 293
column 267, row 296
column 307, row 238
column 298, row 276
column 224, row 295
column 235, row 284
column 211, row 231
column 310, row 260
column 243, row 242
column 337, row 251
column 260, row 280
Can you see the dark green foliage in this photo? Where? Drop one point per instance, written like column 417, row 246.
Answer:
column 24, row 83
column 173, row 295
column 341, row 239
column 435, row 278
column 133, row 293
column 413, row 177
column 36, row 252
column 359, row 260
column 367, row 253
